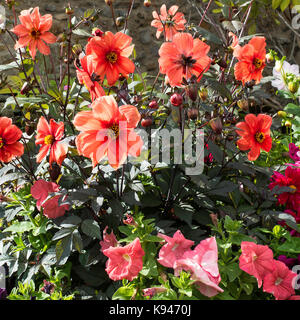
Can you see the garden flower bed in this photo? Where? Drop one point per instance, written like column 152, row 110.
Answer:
column 117, row 184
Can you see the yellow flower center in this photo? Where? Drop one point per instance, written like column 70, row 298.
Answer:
column 260, row 137
column 112, row 57
column 257, row 63
column 126, row 257
column 49, row 139
column 35, row 34
column 1, row 142
column 114, row 131
column 293, row 187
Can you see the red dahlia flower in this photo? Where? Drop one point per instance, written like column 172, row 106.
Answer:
column 255, row 134
column 109, row 54
column 252, row 59
column 183, row 57
column 291, row 178
column 33, row 31
column 169, row 22
column 108, row 131
column 124, row 262
column 89, row 78
column 49, row 136
column 10, row 147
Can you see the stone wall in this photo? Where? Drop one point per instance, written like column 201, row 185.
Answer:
column 139, row 27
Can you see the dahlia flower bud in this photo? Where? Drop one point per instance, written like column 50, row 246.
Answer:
column 193, row 113
column 203, row 94
column 147, row 3
column 25, row 88
column 96, row 32
column 243, row 104
column 77, row 49
column 69, row 10
column 288, row 124
column 216, row 125
column 120, row 21
column 153, row 104
column 192, row 91
column 54, row 171
column 147, row 122
column 176, row 99
column 109, row 2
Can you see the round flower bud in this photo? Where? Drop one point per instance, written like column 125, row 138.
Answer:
column 243, row 104
column 216, row 125
column 281, row 114
column 109, row 2
column 147, row 3
column 193, row 113
column 288, row 123
column 96, row 32
column 203, row 94
column 147, row 122
column 153, row 104
column 293, row 86
column 269, row 57
column 120, row 21
column 176, row 99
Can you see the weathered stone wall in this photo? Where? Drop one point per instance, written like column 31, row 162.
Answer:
column 139, row 27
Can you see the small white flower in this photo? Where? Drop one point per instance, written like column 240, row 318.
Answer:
column 281, row 74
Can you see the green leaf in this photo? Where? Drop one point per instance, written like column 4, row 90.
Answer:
column 124, row 293
column 291, row 246
column 276, row 3
column 63, row 249
column 20, row 227
column 77, row 241
column 91, row 228
column 149, row 261
column 81, row 32
column 284, row 4
column 293, row 109
column 233, row 271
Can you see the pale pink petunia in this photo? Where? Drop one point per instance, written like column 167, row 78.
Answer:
column 202, row 262
column 173, row 249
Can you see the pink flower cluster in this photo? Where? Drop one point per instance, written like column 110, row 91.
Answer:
column 202, row 261
column 257, row 260
column 40, row 191
column 123, row 262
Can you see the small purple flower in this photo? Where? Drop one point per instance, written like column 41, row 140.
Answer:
column 294, row 152
column 48, row 287
column 66, row 87
column 3, row 294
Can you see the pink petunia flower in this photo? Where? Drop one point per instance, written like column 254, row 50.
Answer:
column 256, row 260
column 124, row 262
column 41, row 189
column 109, row 240
column 52, row 208
column 202, row 262
column 280, row 281
column 173, row 249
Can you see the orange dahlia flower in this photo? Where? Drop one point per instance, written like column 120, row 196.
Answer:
column 108, row 131
column 255, row 134
column 33, row 31
column 10, row 147
column 169, row 22
column 89, row 78
column 252, row 59
column 110, row 55
column 49, row 136
column 183, row 57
